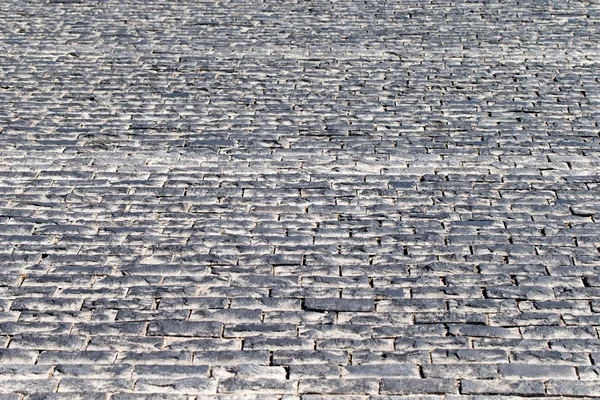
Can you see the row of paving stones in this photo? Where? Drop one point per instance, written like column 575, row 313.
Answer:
column 352, row 387
column 300, row 200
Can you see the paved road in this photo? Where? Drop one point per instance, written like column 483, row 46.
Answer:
column 315, row 200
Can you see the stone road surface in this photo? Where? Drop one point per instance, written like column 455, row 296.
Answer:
column 299, row 200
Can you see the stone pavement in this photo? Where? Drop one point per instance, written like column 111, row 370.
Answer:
column 299, row 200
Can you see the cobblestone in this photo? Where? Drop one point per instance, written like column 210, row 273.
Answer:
column 299, row 200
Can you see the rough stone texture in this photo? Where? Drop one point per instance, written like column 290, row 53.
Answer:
column 299, row 200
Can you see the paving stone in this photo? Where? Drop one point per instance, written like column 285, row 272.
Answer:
column 382, row 370
column 172, row 371
column 124, row 343
column 76, row 357
column 102, row 371
column 346, row 331
column 339, row 386
column 184, row 328
column 118, row 328
column 323, row 371
column 152, row 357
column 529, row 371
column 249, row 330
column 261, row 343
column 581, row 345
column 515, row 344
column 473, row 330
column 470, row 356
column 502, row 387
column 431, row 343
column 176, row 386
column 545, row 332
column 149, row 396
column 94, row 384
column 366, row 357
column 227, row 316
column 263, row 385
column 428, row 330
column 228, row 357
column 465, row 371
column 201, row 344
column 31, row 386
column 338, row 304
column 80, row 395
column 17, row 356
column 418, row 386
column 287, row 357
column 572, row 388
column 553, row 357
column 588, row 373
column 24, row 372
column 355, row 344
column 249, row 371
column 49, row 342
column 525, row 319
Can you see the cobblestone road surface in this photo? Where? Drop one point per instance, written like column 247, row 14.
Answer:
column 299, row 200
